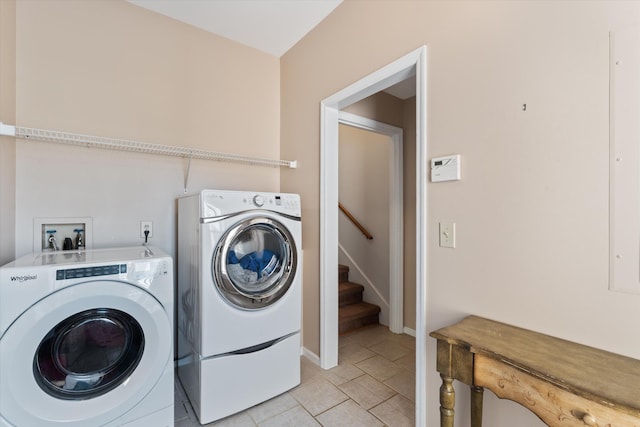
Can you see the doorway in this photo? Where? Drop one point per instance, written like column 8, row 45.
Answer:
column 412, row 65
column 391, row 299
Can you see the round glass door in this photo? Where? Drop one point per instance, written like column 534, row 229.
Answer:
column 84, row 355
column 254, row 263
column 88, row 354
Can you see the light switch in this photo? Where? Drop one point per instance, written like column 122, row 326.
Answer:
column 448, row 234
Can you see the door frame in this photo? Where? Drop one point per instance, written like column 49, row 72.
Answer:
column 396, row 237
column 413, row 64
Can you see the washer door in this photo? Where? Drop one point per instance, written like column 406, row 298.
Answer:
column 254, row 263
column 88, row 354
column 84, row 355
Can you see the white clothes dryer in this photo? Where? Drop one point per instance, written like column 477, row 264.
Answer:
column 86, row 339
column 239, row 298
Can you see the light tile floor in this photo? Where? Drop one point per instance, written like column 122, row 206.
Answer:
column 373, row 385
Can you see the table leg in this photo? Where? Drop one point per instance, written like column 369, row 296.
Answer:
column 476, row 406
column 447, row 401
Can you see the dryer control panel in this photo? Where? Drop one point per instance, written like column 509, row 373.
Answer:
column 222, row 202
column 284, row 202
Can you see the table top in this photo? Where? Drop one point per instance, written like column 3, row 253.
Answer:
column 607, row 378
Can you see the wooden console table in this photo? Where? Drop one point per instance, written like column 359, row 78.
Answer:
column 563, row 383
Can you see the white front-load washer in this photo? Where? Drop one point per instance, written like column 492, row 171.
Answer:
column 239, row 298
column 86, row 339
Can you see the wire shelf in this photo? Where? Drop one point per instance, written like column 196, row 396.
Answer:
column 135, row 146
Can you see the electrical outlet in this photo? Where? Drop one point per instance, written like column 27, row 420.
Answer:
column 146, row 225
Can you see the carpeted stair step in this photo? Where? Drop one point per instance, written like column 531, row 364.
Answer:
column 353, row 313
column 349, row 293
column 355, row 316
column 343, row 273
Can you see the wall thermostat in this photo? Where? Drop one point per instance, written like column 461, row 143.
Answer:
column 445, row 168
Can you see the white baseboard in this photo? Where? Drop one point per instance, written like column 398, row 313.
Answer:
column 310, row 355
column 408, row 331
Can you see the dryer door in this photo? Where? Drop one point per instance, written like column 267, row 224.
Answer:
column 254, row 263
column 84, row 355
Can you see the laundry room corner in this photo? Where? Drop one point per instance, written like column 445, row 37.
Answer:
column 134, row 75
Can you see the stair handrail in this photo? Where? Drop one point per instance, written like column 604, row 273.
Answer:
column 355, row 221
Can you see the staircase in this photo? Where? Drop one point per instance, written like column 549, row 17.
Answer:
column 353, row 313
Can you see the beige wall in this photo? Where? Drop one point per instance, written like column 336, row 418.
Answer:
column 7, row 145
column 381, row 107
column 532, row 207
column 112, row 69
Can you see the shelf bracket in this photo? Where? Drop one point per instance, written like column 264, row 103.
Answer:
column 186, row 176
column 7, row 130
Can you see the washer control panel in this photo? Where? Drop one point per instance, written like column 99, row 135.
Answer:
column 103, row 270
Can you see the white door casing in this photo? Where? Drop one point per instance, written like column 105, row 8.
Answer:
column 410, row 65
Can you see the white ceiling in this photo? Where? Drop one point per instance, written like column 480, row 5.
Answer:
column 272, row 26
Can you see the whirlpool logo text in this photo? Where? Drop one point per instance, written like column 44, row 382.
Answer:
column 24, row 278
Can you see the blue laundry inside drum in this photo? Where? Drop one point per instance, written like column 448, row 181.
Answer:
column 252, row 268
